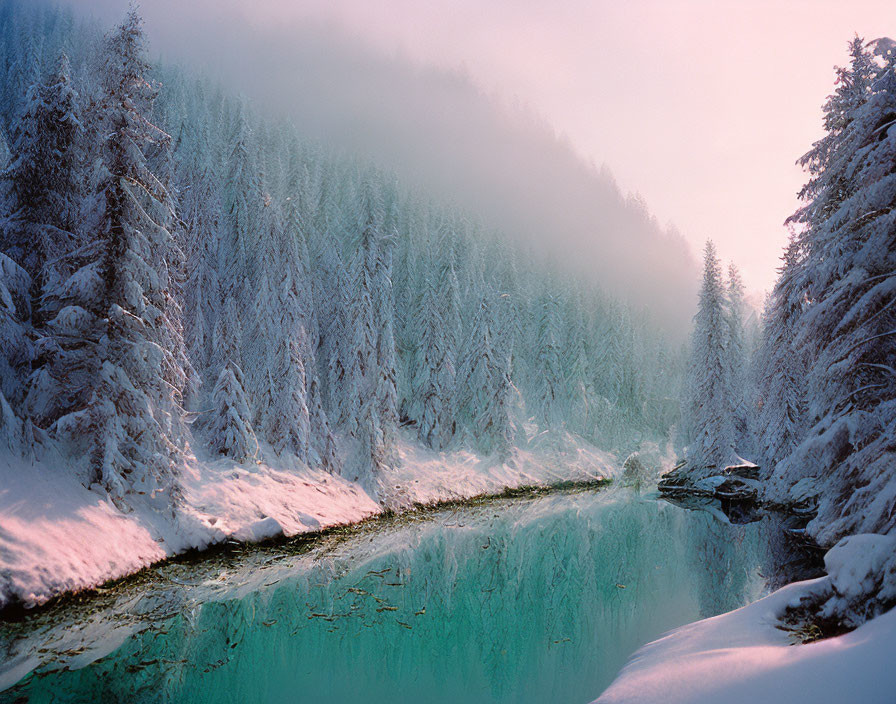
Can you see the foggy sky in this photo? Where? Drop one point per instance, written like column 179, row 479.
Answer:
column 701, row 106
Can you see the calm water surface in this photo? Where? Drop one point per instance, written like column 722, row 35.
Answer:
column 523, row 600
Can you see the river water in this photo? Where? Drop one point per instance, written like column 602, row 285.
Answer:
column 517, row 600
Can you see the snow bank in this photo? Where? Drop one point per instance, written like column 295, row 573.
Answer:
column 57, row 536
column 426, row 477
column 742, row 657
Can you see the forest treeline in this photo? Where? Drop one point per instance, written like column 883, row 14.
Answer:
column 179, row 276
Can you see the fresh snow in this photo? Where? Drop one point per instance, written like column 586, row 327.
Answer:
column 57, row 536
column 744, row 657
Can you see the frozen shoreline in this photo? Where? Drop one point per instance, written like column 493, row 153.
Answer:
column 58, row 537
column 744, row 657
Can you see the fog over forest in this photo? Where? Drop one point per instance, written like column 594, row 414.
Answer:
column 441, row 134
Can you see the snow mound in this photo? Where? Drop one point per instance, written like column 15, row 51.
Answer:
column 260, row 530
column 743, row 657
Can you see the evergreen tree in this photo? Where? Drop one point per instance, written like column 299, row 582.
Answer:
column 262, row 345
column 335, row 327
column 4, row 152
column 42, row 181
column 288, row 422
column 709, row 405
column 484, row 386
column 227, row 336
column 243, row 202
column 578, row 381
column 438, row 324
column 779, row 411
column 550, row 370
column 230, row 427
column 736, row 356
column 116, row 364
column 370, row 375
column 850, row 326
column 202, row 290
column 15, row 347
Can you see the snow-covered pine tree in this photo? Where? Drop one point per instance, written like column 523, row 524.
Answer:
column 229, row 423
column 4, row 151
column 623, row 373
column 230, row 427
column 370, row 375
column 852, row 325
column 709, row 405
column 736, row 357
column 24, row 70
column 262, row 354
column 117, row 362
column 201, row 209
column 299, row 228
column 15, row 348
column 287, row 423
column 578, row 381
column 408, row 289
column 829, row 184
column 386, row 364
column 498, row 420
column 227, row 336
column 291, row 410
column 824, row 163
column 778, row 416
column 484, row 386
column 43, row 179
column 243, row 209
column 438, row 325
column 550, row 388
column 335, row 328
column 299, row 306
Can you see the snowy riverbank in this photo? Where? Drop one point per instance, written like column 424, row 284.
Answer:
column 744, row 657
column 56, row 536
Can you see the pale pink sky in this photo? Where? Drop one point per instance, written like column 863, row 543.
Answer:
column 702, row 106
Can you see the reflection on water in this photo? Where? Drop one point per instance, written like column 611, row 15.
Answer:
column 537, row 600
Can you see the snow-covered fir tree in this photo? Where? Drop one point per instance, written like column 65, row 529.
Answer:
column 437, row 326
column 44, row 178
column 116, row 365
column 848, row 325
column 201, row 210
column 4, row 152
column 485, row 389
column 549, row 366
column 243, row 210
column 15, row 349
column 579, row 379
column 372, row 412
column 230, row 430
column 779, row 372
column 736, row 356
column 709, row 410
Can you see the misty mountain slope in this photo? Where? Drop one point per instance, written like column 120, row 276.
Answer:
column 437, row 130
column 206, row 315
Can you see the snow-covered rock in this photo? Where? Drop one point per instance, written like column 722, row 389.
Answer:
column 262, row 529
